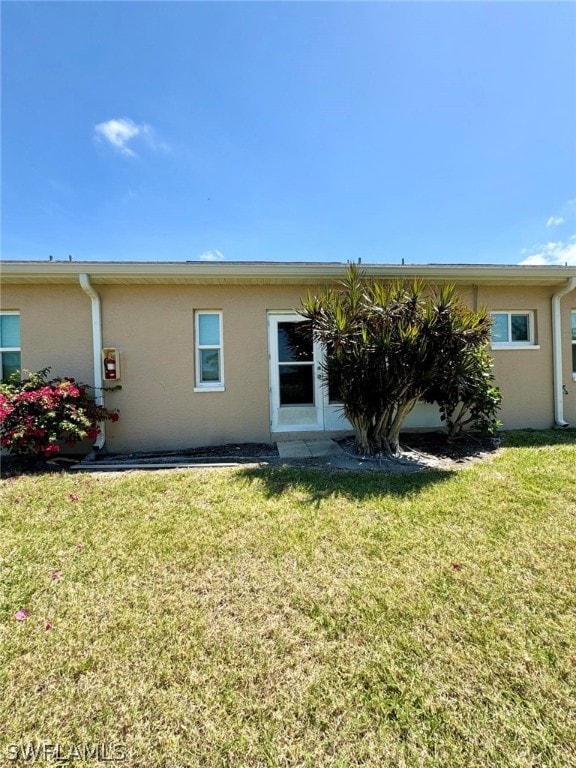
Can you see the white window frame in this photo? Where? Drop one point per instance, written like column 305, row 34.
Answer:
column 572, row 324
column 208, row 386
column 516, row 344
column 10, row 349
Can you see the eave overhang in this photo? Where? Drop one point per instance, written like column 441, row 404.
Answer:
column 268, row 273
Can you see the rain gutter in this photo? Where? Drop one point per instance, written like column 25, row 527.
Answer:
column 557, row 351
column 96, row 351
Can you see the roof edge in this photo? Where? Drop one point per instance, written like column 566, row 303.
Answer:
column 270, row 272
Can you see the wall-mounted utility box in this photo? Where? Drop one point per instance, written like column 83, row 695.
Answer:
column 110, row 364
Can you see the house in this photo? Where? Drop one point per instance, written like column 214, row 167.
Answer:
column 198, row 347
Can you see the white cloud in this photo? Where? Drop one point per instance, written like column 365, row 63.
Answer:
column 534, row 261
column 549, row 254
column 211, row 256
column 120, row 132
column 553, row 221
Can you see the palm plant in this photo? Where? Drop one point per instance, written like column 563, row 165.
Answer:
column 387, row 345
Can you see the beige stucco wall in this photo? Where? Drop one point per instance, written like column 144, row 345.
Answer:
column 568, row 306
column 525, row 376
column 154, row 329
column 55, row 328
column 153, row 326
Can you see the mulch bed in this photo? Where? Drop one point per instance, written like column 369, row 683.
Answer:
column 436, row 444
column 434, row 447
column 11, row 466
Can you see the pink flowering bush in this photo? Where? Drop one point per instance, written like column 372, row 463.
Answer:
column 36, row 414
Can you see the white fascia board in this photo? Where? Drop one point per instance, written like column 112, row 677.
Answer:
column 271, row 272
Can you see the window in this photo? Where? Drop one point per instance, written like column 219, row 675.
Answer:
column 573, row 316
column 513, row 329
column 209, row 369
column 9, row 344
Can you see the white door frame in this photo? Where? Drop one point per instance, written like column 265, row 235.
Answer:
column 293, row 418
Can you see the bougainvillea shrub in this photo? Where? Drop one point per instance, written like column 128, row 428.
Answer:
column 37, row 414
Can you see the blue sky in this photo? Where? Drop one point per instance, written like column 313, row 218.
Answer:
column 430, row 132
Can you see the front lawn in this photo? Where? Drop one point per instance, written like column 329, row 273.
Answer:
column 284, row 617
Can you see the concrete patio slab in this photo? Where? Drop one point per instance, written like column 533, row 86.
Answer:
column 293, row 449
column 307, row 449
column 323, row 447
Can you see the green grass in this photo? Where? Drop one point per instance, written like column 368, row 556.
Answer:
column 285, row 617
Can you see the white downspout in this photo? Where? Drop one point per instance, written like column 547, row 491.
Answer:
column 557, row 351
column 96, row 351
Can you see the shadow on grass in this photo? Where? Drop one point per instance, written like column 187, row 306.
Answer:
column 322, row 484
column 536, row 438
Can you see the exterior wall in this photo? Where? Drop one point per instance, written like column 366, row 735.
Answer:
column 568, row 306
column 153, row 327
column 525, row 376
column 55, row 328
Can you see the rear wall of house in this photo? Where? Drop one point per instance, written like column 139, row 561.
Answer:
column 153, row 327
column 525, row 376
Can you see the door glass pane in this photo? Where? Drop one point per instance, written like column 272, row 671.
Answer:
column 9, row 330
column 520, row 330
column 10, row 363
column 210, row 365
column 296, row 384
column 209, row 330
column 574, row 358
column 499, row 327
column 573, row 314
column 295, row 342
column 334, row 399
column 333, row 394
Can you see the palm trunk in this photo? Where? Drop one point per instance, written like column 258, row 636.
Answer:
column 457, row 420
column 361, row 426
column 393, row 436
